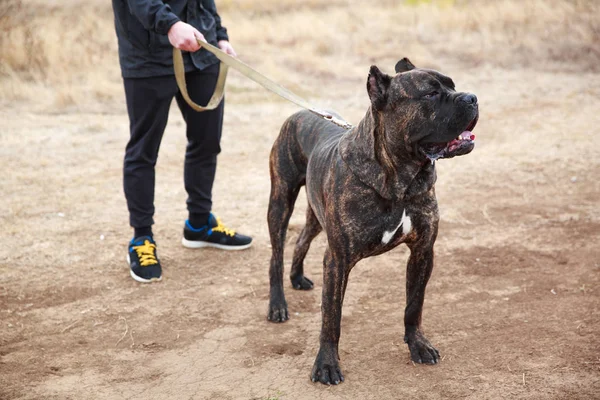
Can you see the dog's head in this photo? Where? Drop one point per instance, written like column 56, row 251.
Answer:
column 422, row 114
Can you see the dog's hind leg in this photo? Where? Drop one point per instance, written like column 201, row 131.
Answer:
column 281, row 205
column 285, row 185
column 309, row 232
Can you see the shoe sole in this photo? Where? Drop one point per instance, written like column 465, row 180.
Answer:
column 140, row 279
column 190, row 244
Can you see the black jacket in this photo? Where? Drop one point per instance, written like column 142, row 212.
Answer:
column 142, row 27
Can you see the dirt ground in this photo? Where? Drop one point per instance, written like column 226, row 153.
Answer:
column 513, row 303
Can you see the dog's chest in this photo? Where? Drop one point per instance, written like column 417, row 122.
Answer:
column 394, row 226
column 375, row 233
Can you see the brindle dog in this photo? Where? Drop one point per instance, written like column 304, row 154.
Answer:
column 371, row 189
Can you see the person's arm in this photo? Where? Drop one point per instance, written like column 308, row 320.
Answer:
column 156, row 16
column 221, row 30
column 222, row 37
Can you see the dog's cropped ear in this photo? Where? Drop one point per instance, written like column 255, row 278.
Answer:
column 378, row 84
column 404, row 65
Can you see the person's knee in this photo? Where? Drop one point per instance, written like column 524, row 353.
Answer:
column 204, row 150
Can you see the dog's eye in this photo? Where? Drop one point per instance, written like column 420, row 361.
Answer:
column 432, row 94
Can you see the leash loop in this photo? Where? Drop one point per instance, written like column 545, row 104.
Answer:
column 217, row 96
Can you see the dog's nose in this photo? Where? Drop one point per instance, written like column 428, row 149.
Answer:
column 468, row 98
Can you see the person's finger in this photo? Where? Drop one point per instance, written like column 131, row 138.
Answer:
column 199, row 35
column 227, row 48
column 192, row 44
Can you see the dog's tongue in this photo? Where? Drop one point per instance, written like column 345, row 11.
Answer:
column 467, row 135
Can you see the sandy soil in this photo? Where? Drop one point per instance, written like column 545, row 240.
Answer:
column 513, row 303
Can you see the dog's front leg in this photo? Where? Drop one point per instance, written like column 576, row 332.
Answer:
column 335, row 277
column 418, row 271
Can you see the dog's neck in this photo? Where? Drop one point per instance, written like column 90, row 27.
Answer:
column 393, row 175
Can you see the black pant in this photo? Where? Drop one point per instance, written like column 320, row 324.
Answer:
column 148, row 103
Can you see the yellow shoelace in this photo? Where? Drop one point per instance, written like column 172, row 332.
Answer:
column 146, row 253
column 221, row 228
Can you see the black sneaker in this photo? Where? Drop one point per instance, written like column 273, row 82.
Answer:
column 144, row 265
column 215, row 234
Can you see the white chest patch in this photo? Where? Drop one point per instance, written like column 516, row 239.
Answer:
column 406, row 225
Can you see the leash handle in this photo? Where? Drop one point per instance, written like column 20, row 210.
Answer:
column 249, row 72
column 217, row 96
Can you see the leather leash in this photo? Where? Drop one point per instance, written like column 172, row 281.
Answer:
column 229, row 61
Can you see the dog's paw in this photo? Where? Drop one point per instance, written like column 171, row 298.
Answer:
column 278, row 312
column 326, row 369
column 301, row 282
column 421, row 351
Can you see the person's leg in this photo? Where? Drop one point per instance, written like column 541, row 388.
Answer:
column 204, row 137
column 148, row 102
column 202, row 229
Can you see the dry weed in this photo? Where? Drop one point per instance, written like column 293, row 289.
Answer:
column 61, row 55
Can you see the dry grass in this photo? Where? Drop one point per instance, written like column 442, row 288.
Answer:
column 52, row 58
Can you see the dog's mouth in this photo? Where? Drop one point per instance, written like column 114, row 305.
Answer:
column 461, row 145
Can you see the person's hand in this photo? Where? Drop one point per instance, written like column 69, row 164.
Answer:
column 183, row 36
column 227, row 48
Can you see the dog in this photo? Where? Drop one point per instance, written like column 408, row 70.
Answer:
column 370, row 188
